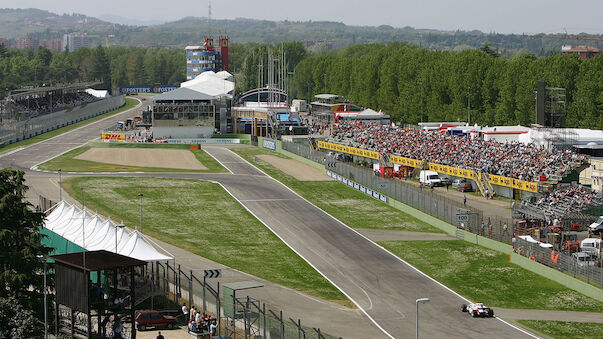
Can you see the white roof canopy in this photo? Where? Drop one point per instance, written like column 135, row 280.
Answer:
column 93, row 232
column 210, row 83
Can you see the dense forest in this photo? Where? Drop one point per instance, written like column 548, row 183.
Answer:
column 413, row 84
column 409, row 83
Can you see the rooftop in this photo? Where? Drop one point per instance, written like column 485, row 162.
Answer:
column 97, row 260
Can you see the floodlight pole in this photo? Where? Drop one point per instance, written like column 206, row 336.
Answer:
column 45, row 304
column 140, row 195
column 418, row 301
column 116, row 227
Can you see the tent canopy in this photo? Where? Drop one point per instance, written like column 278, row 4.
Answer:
column 93, row 232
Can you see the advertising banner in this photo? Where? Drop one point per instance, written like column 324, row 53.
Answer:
column 269, row 144
column 113, row 137
column 357, row 186
column 457, row 172
column 513, row 183
column 396, row 159
column 349, row 150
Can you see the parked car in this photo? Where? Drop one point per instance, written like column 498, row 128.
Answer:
column 446, row 181
column 464, row 187
column 457, row 182
column 597, row 226
column 478, row 310
column 150, row 318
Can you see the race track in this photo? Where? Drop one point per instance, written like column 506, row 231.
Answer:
column 382, row 285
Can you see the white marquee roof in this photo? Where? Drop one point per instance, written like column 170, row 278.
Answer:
column 210, row 83
column 93, row 232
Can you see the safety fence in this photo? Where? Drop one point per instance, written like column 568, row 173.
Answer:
column 423, row 199
column 241, row 317
column 14, row 131
column 589, row 270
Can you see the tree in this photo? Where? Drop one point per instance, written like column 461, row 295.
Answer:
column 20, row 240
column 101, row 70
column 17, row 321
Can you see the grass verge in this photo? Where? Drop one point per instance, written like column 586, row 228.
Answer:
column 67, row 162
column 565, row 329
column 202, row 218
column 484, row 275
column 129, row 104
column 352, row 207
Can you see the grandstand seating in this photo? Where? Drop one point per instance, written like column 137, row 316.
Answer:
column 512, row 160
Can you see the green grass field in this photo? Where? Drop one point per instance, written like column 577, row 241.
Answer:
column 129, row 104
column 353, row 208
column 202, row 218
column 67, row 162
column 484, row 275
column 565, row 329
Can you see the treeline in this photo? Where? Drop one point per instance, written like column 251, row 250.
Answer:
column 413, row 84
column 113, row 66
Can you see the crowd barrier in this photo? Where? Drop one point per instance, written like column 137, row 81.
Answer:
column 22, row 130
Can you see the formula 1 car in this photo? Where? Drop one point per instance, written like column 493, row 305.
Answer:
column 478, row 310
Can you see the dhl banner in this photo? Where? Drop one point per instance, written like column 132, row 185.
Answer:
column 455, row 171
column 396, row 159
column 350, row 150
column 113, row 136
column 513, row 183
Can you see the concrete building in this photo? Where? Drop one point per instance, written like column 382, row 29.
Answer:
column 28, row 42
column 205, row 58
column 584, row 52
column 5, row 42
column 74, row 41
column 593, row 175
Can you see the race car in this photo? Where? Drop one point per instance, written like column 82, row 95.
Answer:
column 478, row 310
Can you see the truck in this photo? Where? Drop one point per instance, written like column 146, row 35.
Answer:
column 430, row 178
column 591, row 246
column 567, row 242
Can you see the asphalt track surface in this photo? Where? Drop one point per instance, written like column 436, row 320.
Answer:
column 383, row 286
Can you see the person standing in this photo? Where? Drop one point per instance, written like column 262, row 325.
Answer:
column 464, row 200
column 185, row 313
column 159, row 336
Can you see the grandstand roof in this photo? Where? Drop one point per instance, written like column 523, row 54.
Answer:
column 210, row 83
column 182, row 93
column 37, row 90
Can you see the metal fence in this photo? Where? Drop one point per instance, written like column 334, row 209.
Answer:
column 14, row 131
column 254, row 318
column 423, row 199
column 589, row 271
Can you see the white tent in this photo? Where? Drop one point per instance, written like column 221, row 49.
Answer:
column 93, row 232
column 210, row 83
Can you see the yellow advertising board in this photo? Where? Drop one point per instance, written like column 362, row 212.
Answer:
column 513, row 183
column 113, row 136
column 350, row 150
column 396, row 159
column 455, row 171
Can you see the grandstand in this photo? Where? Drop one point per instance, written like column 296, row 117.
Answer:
column 26, row 103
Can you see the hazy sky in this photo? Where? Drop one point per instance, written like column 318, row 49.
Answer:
column 504, row 16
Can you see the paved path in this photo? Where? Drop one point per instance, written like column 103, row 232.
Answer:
column 517, row 314
column 380, row 284
column 395, row 235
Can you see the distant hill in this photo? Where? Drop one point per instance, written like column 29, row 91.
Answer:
column 16, row 23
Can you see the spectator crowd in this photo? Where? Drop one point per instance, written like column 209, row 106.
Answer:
column 514, row 160
column 47, row 104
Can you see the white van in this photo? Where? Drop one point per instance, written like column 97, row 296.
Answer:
column 591, row 246
column 430, row 178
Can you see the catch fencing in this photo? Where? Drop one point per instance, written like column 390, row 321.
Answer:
column 421, row 198
column 14, row 131
column 589, row 271
column 253, row 319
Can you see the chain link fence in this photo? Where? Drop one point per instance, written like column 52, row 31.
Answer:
column 589, row 271
column 12, row 131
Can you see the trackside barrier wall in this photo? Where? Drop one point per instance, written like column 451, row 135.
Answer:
column 471, row 236
column 27, row 129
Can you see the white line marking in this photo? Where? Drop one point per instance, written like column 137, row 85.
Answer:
column 216, row 159
column 374, row 243
column 261, row 200
column 12, row 151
